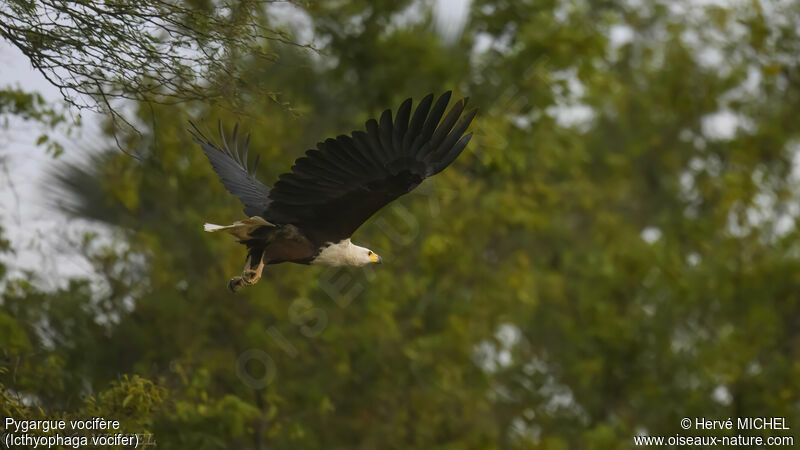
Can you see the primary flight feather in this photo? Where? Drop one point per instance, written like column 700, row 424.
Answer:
column 310, row 213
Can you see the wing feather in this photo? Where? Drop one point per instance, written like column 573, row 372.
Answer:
column 401, row 124
column 451, row 154
column 349, row 147
column 446, row 126
column 332, row 190
column 385, row 134
column 233, row 171
column 415, row 126
column 453, row 137
column 435, row 116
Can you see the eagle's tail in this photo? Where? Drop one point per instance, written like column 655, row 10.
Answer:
column 211, row 227
column 241, row 229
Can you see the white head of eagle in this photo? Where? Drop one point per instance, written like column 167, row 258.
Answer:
column 345, row 253
column 309, row 214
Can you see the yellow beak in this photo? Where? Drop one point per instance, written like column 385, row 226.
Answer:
column 375, row 258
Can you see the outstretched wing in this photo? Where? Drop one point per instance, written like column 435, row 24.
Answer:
column 331, row 191
column 231, row 166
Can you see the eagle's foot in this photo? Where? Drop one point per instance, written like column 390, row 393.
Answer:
column 235, row 284
column 251, row 276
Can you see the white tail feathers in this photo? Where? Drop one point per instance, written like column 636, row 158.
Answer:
column 210, row 227
column 240, row 229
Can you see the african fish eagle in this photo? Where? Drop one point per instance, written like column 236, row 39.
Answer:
column 310, row 213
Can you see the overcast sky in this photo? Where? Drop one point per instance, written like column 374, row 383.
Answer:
column 35, row 230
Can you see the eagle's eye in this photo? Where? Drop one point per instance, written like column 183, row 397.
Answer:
column 369, row 252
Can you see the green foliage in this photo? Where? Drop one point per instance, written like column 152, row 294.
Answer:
column 574, row 279
column 32, row 106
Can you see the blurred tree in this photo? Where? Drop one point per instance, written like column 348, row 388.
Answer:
column 616, row 250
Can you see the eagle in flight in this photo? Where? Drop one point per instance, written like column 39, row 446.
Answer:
column 308, row 216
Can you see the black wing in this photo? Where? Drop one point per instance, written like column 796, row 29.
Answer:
column 231, row 166
column 331, row 191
